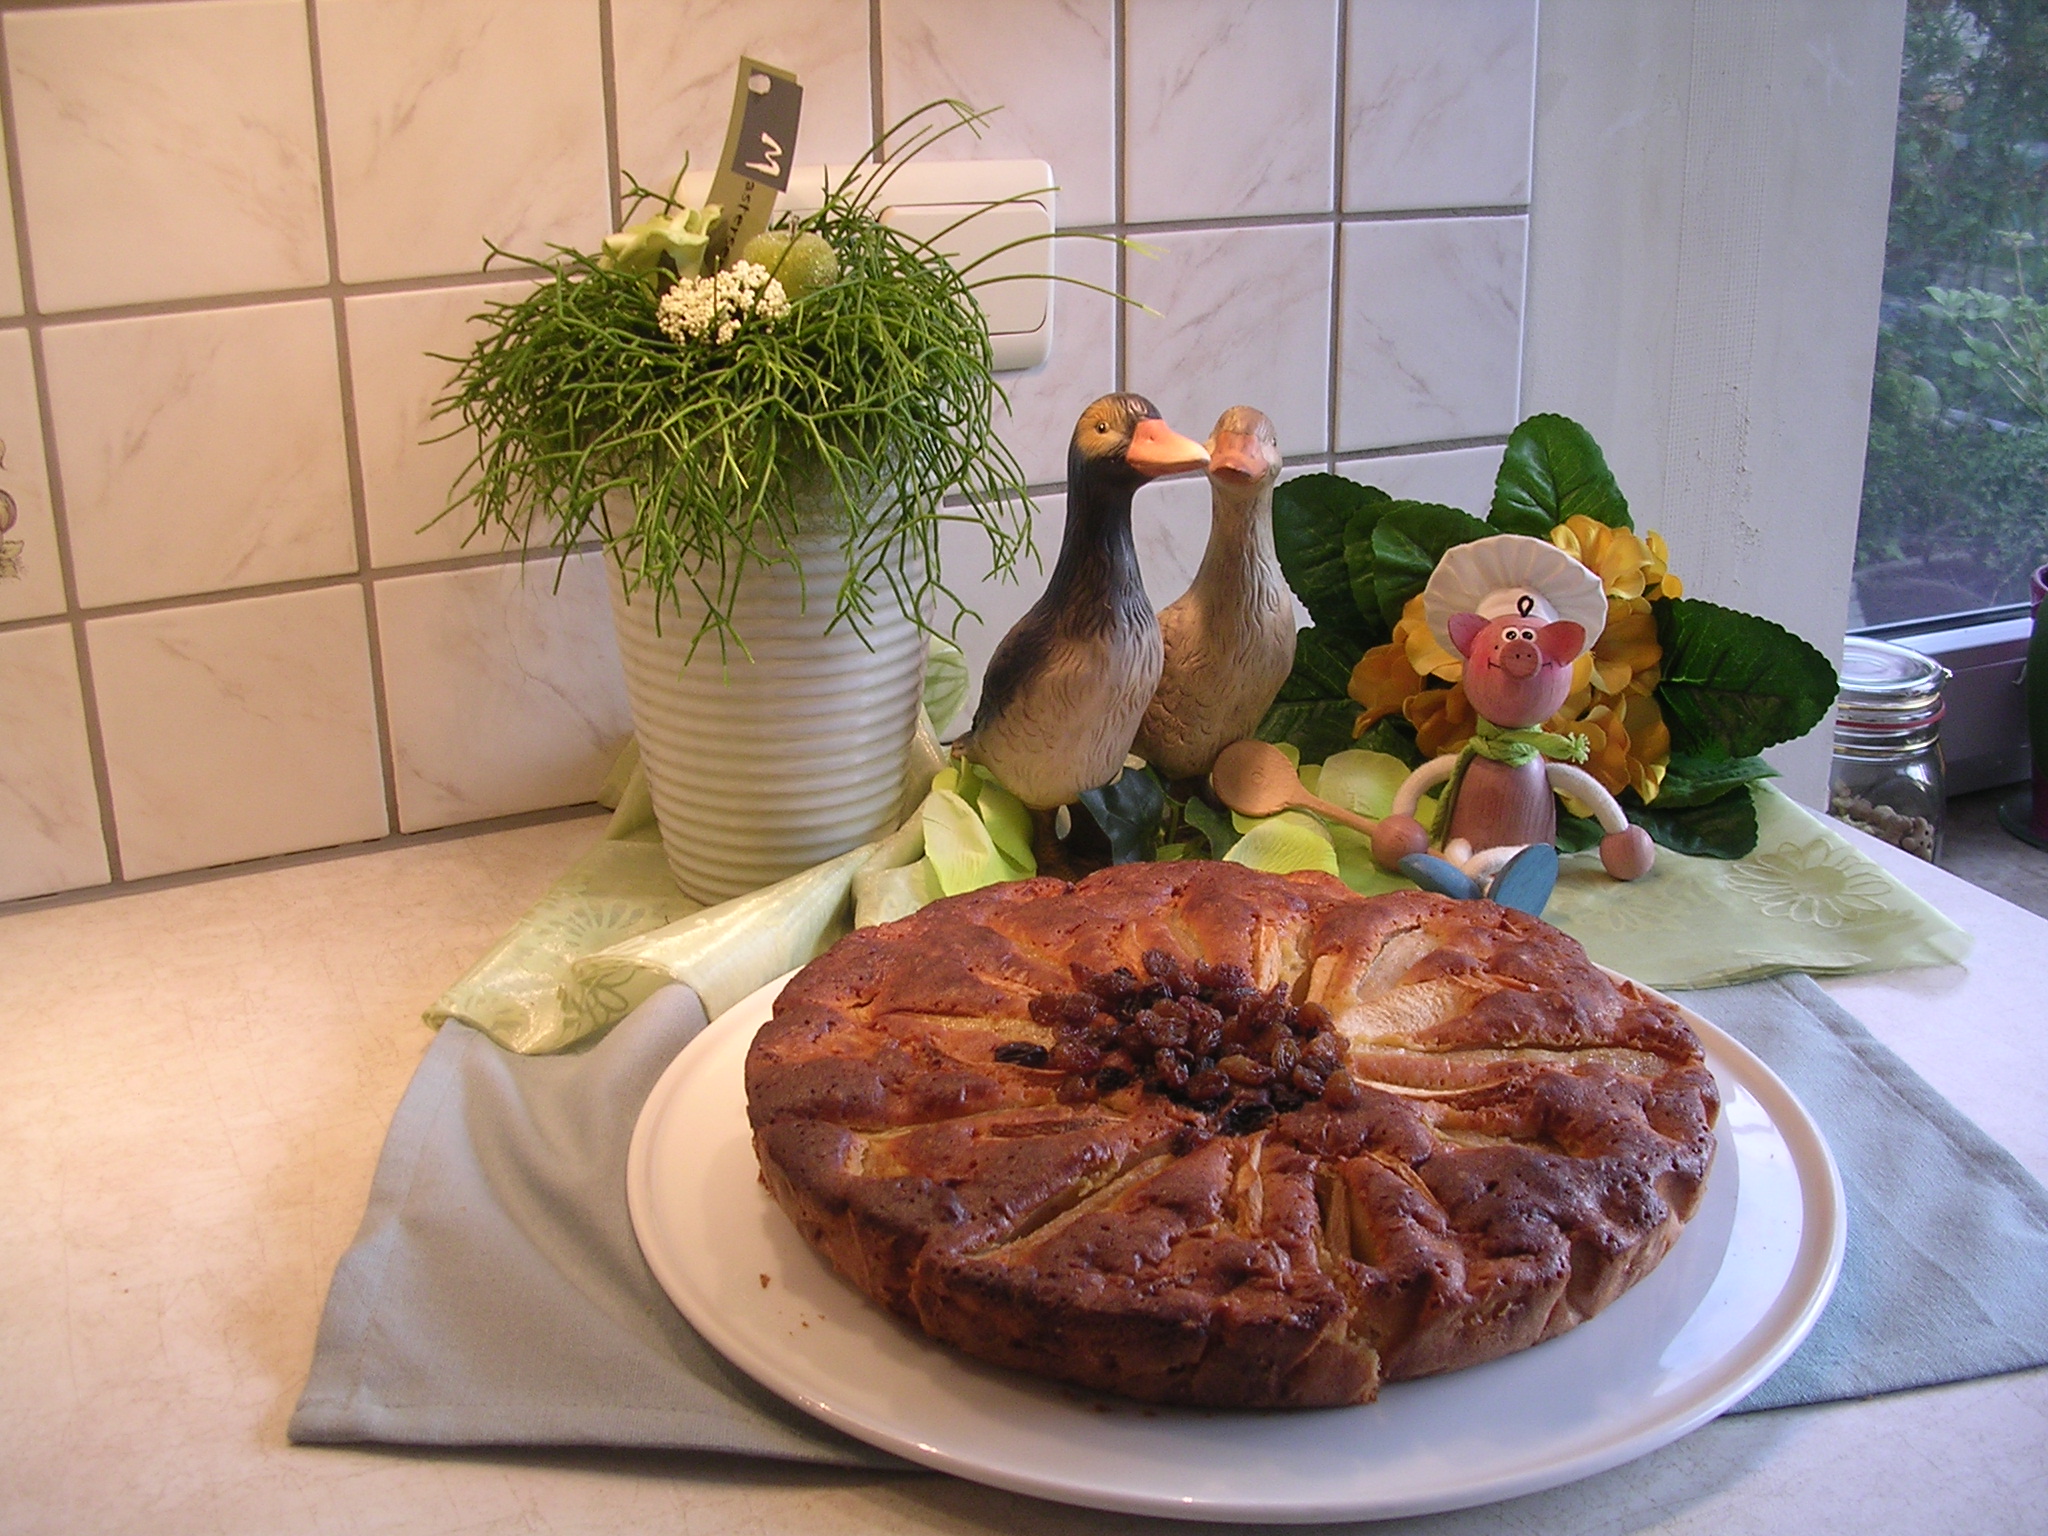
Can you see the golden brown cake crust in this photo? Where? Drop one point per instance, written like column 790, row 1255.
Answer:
column 1511, row 1140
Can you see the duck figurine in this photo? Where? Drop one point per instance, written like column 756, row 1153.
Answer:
column 1229, row 639
column 1067, row 686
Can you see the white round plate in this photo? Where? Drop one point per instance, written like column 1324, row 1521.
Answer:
column 1736, row 1294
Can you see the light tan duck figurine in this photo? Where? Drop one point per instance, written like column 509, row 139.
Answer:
column 1229, row 640
column 1067, row 685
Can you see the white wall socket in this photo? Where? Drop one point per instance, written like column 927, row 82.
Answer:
column 935, row 201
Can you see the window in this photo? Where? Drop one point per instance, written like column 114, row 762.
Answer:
column 1955, row 485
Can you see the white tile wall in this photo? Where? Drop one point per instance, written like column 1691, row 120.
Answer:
column 235, row 499
column 238, row 729
column 450, row 121
column 167, row 151
column 510, row 697
column 1050, row 68
column 50, row 836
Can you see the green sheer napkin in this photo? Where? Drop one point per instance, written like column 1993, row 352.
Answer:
column 615, row 928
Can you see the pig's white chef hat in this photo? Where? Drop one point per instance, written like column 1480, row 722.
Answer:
column 1513, row 574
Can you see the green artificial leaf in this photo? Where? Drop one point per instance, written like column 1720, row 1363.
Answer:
column 957, row 842
column 945, row 683
column 1392, row 735
column 1129, row 810
column 1213, row 824
column 1362, row 781
column 1322, row 666
column 1693, row 781
column 1285, row 843
column 1407, row 542
column 1575, row 834
column 1173, row 853
column 1735, row 684
column 1553, row 470
column 1314, row 727
column 1721, row 829
column 1359, row 564
column 1310, row 516
column 1008, row 823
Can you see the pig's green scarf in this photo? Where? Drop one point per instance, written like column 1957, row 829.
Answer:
column 1517, row 747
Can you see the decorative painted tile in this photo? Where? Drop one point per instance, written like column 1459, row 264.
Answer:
column 1430, row 344
column 201, row 451
column 49, row 812
column 1243, row 319
column 450, row 121
column 1440, row 99
column 167, row 151
column 1229, row 107
column 675, row 64
column 1455, row 477
column 31, row 576
column 396, row 346
column 1045, row 403
column 238, row 730
column 1049, row 67
column 504, row 693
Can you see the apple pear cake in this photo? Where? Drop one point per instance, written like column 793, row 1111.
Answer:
column 1200, row 1135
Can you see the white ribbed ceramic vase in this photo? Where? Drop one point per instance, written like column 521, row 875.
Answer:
column 764, row 764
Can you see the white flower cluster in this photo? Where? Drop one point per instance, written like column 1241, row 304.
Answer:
column 712, row 308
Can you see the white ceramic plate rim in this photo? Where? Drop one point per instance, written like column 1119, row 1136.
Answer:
column 1720, row 1384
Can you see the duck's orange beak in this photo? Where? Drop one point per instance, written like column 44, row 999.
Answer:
column 1237, row 456
column 1156, row 449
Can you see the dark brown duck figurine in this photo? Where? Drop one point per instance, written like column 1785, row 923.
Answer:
column 1066, row 688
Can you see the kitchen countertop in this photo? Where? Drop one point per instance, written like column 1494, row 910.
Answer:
column 193, row 1089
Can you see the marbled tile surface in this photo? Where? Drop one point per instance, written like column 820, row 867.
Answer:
column 1439, row 106
column 504, row 694
column 10, row 257
column 1049, row 66
column 1454, row 477
column 1430, row 344
column 675, row 66
column 1228, row 106
column 38, row 589
column 1243, row 319
column 239, row 729
column 396, row 344
column 201, row 451
column 450, row 121
column 1045, row 403
column 167, row 151
column 50, row 836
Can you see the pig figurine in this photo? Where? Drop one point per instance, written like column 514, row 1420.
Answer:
column 1497, row 821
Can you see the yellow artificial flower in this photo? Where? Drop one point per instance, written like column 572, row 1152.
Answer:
column 1662, row 582
column 1630, row 746
column 1428, row 658
column 1381, row 684
column 1626, row 657
column 1615, row 555
column 1443, row 718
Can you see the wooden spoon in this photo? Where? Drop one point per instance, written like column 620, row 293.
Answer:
column 1254, row 778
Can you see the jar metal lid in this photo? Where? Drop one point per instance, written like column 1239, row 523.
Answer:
column 1887, row 685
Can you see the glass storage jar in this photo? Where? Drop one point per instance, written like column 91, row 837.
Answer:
column 1887, row 773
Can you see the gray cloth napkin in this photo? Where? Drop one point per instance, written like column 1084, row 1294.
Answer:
column 496, row 1296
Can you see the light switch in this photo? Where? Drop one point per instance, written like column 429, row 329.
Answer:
column 924, row 199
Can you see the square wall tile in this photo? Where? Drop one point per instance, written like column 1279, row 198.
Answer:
column 10, row 257
column 1430, row 343
column 191, row 122
column 238, row 730
column 396, row 346
column 29, row 547
column 505, row 694
column 674, row 66
column 49, row 811
column 1439, row 103
column 1170, row 525
column 201, row 451
column 1243, row 319
column 1230, row 107
column 1049, row 66
column 1045, row 403
column 1455, row 477
column 449, row 121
